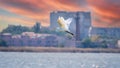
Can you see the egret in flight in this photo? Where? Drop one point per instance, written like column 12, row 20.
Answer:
column 65, row 24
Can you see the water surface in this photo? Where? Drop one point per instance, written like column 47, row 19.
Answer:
column 59, row 60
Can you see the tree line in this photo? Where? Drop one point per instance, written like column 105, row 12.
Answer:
column 18, row 29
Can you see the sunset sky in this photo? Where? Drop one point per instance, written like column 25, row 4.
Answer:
column 105, row 13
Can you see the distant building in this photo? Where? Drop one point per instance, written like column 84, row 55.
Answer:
column 35, row 39
column 6, row 37
column 79, row 26
column 37, row 27
column 106, row 32
column 0, row 34
column 69, row 42
column 118, row 44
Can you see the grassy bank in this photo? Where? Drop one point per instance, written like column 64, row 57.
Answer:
column 54, row 49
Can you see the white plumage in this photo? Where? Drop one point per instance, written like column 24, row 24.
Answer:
column 64, row 24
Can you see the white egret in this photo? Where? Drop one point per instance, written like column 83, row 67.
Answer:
column 65, row 24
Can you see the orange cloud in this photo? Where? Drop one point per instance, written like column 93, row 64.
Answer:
column 39, row 9
column 105, row 12
column 12, row 20
column 34, row 10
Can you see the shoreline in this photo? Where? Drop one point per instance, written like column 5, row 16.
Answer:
column 61, row 50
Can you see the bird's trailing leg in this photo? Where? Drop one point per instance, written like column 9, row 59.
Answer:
column 70, row 33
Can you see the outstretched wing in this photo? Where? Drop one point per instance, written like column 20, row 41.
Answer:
column 68, row 21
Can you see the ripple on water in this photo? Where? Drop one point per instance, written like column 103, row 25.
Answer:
column 59, row 60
